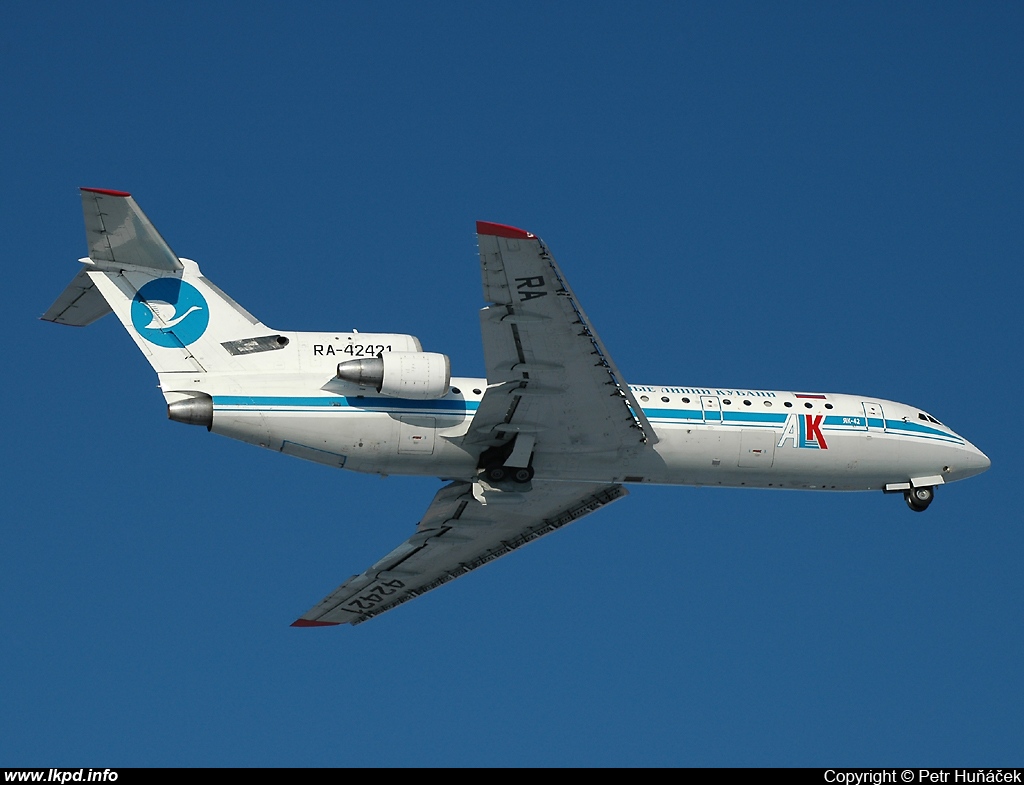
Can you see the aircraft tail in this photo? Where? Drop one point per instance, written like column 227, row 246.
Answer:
column 180, row 320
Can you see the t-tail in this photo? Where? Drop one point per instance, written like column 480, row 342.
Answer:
column 206, row 348
column 183, row 324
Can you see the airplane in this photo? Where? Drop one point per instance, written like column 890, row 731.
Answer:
column 553, row 433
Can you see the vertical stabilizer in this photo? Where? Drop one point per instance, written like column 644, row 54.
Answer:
column 178, row 319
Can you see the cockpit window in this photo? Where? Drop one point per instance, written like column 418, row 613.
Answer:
column 927, row 418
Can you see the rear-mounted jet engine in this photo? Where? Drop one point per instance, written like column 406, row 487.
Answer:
column 418, row 375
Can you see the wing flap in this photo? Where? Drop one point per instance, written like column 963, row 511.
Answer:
column 466, row 526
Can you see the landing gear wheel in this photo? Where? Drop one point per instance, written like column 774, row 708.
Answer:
column 918, row 499
column 522, row 475
column 496, row 473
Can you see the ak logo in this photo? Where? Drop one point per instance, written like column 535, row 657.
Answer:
column 805, row 431
column 170, row 312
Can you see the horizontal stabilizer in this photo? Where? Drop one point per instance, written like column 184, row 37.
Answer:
column 79, row 305
column 117, row 231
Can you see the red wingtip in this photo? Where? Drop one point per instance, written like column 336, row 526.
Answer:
column 501, row 230
column 308, row 623
column 105, row 191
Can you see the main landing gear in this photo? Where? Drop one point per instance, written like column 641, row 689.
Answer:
column 512, row 460
column 918, row 499
column 499, row 473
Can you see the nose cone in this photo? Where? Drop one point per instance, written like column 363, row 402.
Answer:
column 972, row 461
column 977, row 461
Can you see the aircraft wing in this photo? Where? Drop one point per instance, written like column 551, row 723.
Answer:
column 466, row 526
column 549, row 375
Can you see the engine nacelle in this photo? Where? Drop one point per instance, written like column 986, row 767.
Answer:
column 194, row 410
column 419, row 375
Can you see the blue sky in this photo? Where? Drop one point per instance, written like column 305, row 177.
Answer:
column 796, row 197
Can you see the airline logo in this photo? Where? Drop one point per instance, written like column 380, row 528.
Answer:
column 804, row 430
column 170, row 312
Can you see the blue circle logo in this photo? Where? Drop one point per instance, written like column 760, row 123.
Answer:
column 170, row 312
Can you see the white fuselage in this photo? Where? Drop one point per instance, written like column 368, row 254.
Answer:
column 550, row 434
column 706, row 436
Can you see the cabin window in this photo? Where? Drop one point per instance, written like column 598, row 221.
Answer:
column 664, row 399
column 644, row 398
column 686, row 400
column 808, row 405
column 828, row 406
column 727, row 402
column 788, row 404
column 456, row 391
column 768, row 403
column 476, row 391
column 746, row 402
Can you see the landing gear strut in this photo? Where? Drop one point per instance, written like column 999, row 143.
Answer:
column 918, row 499
column 495, row 461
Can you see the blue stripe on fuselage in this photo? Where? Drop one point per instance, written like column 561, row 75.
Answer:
column 464, row 408
column 324, row 402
